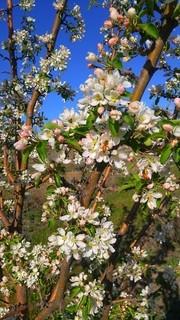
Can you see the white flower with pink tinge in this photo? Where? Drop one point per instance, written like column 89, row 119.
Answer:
column 149, row 197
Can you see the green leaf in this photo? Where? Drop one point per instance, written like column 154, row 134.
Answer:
column 91, row 118
column 165, row 154
column 37, row 181
column 127, row 118
column 51, row 223
column 176, row 12
column 150, row 29
column 41, row 149
column 74, row 144
column 176, row 156
column 169, row 1
column 57, row 179
column 81, row 130
column 150, row 6
column 50, row 189
column 148, row 142
column 113, row 127
column 51, row 126
column 127, row 186
column 26, row 153
column 116, row 63
column 75, row 291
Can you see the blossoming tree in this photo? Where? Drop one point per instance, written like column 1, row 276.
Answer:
column 88, row 268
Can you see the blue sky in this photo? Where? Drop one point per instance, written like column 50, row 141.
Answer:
column 77, row 71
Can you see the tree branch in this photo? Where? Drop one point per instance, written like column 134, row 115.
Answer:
column 57, row 295
column 55, row 30
column 153, row 57
column 11, row 48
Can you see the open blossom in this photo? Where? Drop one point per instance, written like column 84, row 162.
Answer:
column 101, row 245
column 148, row 166
column 92, row 289
column 57, row 60
column 68, row 243
column 149, row 197
column 105, row 88
column 98, row 147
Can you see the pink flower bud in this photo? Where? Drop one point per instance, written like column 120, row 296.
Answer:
column 90, row 65
column 150, row 186
column 134, row 106
column 99, row 73
column 115, row 114
column 113, row 41
column 131, row 12
column 21, row 144
column 120, row 89
column 60, row 139
column 174, row 143
column 108, row 24
column 166, row 185
column 177, row 103
column 126, row 22
column 120, row 18
column 114, row 14
column 100, row 110
column 57, row 132
column 100, row 47
column 167, row 127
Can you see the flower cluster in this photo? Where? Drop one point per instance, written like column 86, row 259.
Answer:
column 57, row 60
column 99, row 246
column 27, row 4
column 77, row 31
column 88, row 290
column 104, row 89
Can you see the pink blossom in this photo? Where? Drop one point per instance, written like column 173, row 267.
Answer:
column 120, row 89
column 167, row 127
column 108, row 24
column 99, row 73
column 26, row 131
column 113, row 13
column 60, row 139
column 100, row 110
column 21, row 144
column 126, row 22
column 113, row 41
column 177, row 103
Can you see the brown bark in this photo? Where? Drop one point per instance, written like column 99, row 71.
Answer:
column 12, row 57
column 150, row 65
column 4, row 220
column 91, row 185
column 57, row 295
